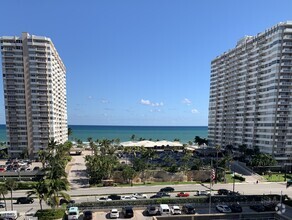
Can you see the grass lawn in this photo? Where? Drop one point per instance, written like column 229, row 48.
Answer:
column 277, row 177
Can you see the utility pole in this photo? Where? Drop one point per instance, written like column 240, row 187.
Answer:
column 233, row 181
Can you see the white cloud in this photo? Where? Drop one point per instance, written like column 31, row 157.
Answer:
column 186, row 101
column 148, row 102
column 104, row 101
column 155, row 110
column 194, row 111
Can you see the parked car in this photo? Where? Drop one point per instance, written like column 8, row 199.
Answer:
column 183, row 194
column 270, row 206
column 101, row 199
column 24, row 200
column 128, row 212
column 65, row 201
column 202, row 193
column 188, row 209
column 87, row 215
column 151, row 210
column 2, row 205
column 114, row 213
column 236, row 208
column 155, row 196
column 114, row 197
column 175, row 210
column 36, row 168
column 139, row 196
column 163, row 194
column 223, row 192
column 258, row 208
column 223, row 208
column 128, row 198
column 231, row 193
column 167, row 189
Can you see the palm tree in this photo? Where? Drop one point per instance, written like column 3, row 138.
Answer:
column 3, row 192
column 70, row 132
column 43, row 156
column 11, row 184
column 55, row 191
column 41, row 190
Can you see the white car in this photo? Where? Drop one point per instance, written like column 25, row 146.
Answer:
column 223, row 208
column 175, row 210
column 128, row 198
column 101, row 199
column 114, row 213
column 139, row 196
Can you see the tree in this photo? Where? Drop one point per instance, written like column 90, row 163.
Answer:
column 200, row 141
column 128, row 174
column 43, row 157
column 56, row 188
column 11, row 184
column 70, row 132
column 3, row 192
column 41, row 190
column 263, row 160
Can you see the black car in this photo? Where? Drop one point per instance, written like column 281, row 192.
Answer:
column 163, row 194
column 128, row 212
column 87, row 215
column 223, row 192
column 167, row 189
column 188, row 209
column 236, row 208
column 155, row 196
column 231, row 193
column 65, row 201
column 24, row 200
column 258, row 208
column 114, row 197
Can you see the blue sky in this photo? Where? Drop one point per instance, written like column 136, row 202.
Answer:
column 141, row 62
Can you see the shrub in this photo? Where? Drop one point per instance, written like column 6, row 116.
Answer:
column 238, row 177
column 50, row 214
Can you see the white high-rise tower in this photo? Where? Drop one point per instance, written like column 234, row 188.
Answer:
column 34, row 81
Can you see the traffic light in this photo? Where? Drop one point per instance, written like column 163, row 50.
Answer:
column 289, row 183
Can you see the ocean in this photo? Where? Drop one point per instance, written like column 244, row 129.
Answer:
column 124, row 133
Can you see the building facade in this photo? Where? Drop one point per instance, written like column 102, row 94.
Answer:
column 250, row 93
column 34, row 82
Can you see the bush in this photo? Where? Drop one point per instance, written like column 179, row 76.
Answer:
column 238, row 177
column 199, row 199
column 50, row 214
column 24, row 185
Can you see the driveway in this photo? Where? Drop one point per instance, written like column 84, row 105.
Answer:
column 76, row 170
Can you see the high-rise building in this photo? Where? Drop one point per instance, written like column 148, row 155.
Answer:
column 34, row 81
column 250, row 93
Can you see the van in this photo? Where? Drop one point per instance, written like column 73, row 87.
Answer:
column 9, row 215
column 164, row 209
column 73, row 213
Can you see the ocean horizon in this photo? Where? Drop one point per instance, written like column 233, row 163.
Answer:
column 125, row 132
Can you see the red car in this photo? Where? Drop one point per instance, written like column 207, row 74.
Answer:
column 183, row 194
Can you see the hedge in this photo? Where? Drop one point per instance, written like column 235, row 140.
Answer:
column 23, row 185
column 50, row 214
column 199, row 199
column 238, row 177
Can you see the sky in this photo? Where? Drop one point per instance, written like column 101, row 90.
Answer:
column 143, row 62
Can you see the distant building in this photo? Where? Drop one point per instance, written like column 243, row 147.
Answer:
column 250, row 93
column 34, row 81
